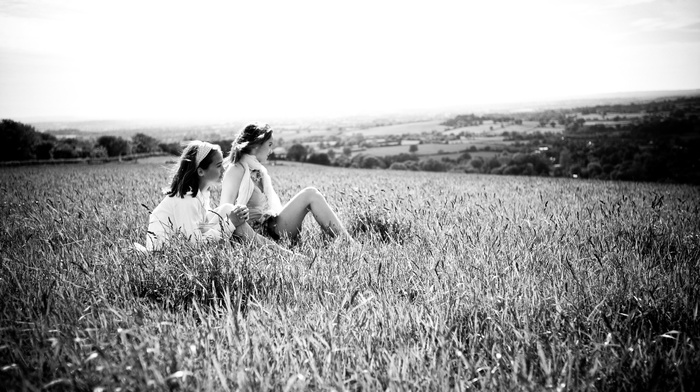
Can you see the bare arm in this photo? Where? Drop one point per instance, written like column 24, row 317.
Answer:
column 231, row 184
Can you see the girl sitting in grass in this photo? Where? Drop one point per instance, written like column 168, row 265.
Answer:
column 246, row 182
column 186, row 207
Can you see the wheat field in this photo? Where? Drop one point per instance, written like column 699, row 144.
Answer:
column 461, row 282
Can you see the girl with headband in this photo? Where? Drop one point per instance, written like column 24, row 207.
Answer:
column 186, row 207
column 246, row 182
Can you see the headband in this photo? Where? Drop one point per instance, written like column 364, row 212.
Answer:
column 203, row 149
column 263, row 129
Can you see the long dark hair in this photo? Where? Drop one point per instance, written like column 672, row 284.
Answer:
column 185, row 177
column 251, row 136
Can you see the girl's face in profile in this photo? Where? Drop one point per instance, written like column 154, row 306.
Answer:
column 213, row 173
column 264, row 150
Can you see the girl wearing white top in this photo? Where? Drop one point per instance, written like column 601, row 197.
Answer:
column 246, row 182
column 186, row 208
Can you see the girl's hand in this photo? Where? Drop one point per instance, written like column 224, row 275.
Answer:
column 239, row 215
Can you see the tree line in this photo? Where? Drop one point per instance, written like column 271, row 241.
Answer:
column 662, row 146
column 655, row 150
column 22, row 142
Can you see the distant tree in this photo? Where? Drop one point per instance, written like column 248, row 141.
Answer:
column 296, row 152
column 403, row 157
column 225, row 145
column 319, row 159
column 413, row 148
column 65, row 151
column 371, row 162
column 355, row 139
column 519, row 158
column 331, row 153
column 356, row 161
column 678, row 113
column 342, row 161
column 171, row 148
column 143, row 143
column 529, row 169
column 541, row 164
column 512, row 170
column 465, row 156
column 565, row 158
column 477, row 163
column 99, row 152
column 114, row 145
column 17, row 141
column 493, row 163
column 412, row 165
column 433, row 165
column 558, row 171
column 80, row 148
column 594, row 169
column 44, row 150
column 347, row 151
column 577, row 124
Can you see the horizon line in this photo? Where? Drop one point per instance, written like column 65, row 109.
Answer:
column 444, row 110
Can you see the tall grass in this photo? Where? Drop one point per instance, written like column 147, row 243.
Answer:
column 460, row 282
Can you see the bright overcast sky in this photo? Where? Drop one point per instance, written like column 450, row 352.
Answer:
column 125, row 59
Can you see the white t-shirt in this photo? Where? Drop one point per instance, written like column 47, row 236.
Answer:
column 191, row 216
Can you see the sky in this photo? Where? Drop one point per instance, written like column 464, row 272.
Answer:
column 232, row 60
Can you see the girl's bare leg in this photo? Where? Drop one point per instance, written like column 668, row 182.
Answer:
column 308, row 200
column 247, row 233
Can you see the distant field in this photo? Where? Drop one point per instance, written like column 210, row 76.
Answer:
column 480, row 142
column 290, row 134
column 423, row 149
column 415, row 128
column 532, row 127
column 610, row 116
column 607, row 123
column 477, row 129
column 489, row 128
column 485, row 155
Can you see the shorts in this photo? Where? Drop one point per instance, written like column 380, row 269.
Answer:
column 267, row 226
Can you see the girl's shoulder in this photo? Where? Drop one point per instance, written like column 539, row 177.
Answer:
column 176, row 202
column 235, row 171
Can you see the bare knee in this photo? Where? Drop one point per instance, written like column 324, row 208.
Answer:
column 311, row 194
